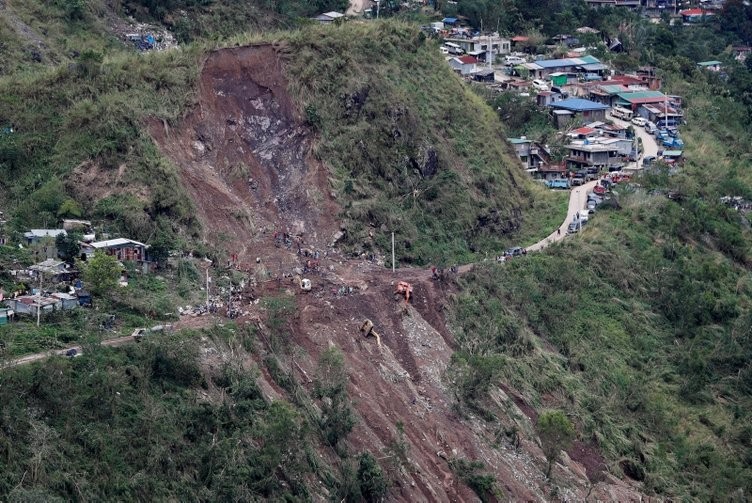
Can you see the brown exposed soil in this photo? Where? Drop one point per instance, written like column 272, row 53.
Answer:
column 244, row 157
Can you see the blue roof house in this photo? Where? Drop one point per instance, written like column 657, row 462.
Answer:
column 449, row 22
column 578, row 109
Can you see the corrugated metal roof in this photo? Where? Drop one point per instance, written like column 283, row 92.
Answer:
column 672, row 153
column 614, row 89
column 578, row 105
column 643, row 96
column 518, row 141
column 710, row 63
column 594, row 67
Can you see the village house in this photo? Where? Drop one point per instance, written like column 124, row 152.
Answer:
column 52, row 270
column 6, row 315
column 635, row 99
column 630, row 4
column 465, row 65
column 661, row 115
column 595, row 154
column 328, row 17
column 30, row 304
column 35, row 236
column 577, row 109
column 485, row 47
column 552, row 171
column 713, row 66
column 695, row 15
column 543, row 68
column 125, row 250
column 530, row 153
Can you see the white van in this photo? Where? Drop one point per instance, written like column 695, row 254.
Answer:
column 540, row 85
column 621, row 113
column 513, row 60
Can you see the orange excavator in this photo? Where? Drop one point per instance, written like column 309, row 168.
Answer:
column 403, row 290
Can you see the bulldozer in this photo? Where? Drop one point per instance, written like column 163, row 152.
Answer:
column 403, row 290
column 367, row 329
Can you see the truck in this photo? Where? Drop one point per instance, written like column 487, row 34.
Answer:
column 558, row 183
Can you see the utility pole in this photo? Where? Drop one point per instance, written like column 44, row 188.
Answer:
column 393, row 251
column 39, row 299
column 207, row 287
column 378, row 7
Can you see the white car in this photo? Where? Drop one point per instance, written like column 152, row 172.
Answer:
column 540, row 85
column 639, row 121
column 513, row 60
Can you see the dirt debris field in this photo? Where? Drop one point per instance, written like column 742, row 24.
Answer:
column 245, row 160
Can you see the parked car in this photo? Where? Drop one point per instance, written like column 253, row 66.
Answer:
column 515, row 252
column 573, row 227
column 650, row 127
column 71, row 353
column 639, row 121
column 513, row 60
column 540, row 85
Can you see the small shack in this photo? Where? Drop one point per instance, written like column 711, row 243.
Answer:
column 6, row 315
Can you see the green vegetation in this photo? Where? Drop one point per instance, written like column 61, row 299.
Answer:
column 101, row 273
column 637, row 327
column 411, row 148
column 470, row 472
column 132, row 424
column 556, row 433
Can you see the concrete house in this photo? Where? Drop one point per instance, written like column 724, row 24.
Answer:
column 543, row 68
column 585, row 154
column 531, row 154
column 465, row 65
column 485, row 48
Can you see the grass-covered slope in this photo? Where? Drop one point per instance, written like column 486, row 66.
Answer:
column 639, row 327
column 410, row 147
column 79, row 134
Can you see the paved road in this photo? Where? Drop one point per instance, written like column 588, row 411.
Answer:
column 649, row 145
column 577, row 202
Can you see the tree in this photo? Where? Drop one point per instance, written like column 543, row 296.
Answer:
column 67, row 246
column 556, row 433
column 373, row 484
column 337, row 417
column 101, row 273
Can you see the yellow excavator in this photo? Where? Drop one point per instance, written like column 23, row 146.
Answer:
column 367, row 329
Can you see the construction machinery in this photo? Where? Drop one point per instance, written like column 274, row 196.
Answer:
column 403, row 290
column 304, row 283
column 367, row 329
